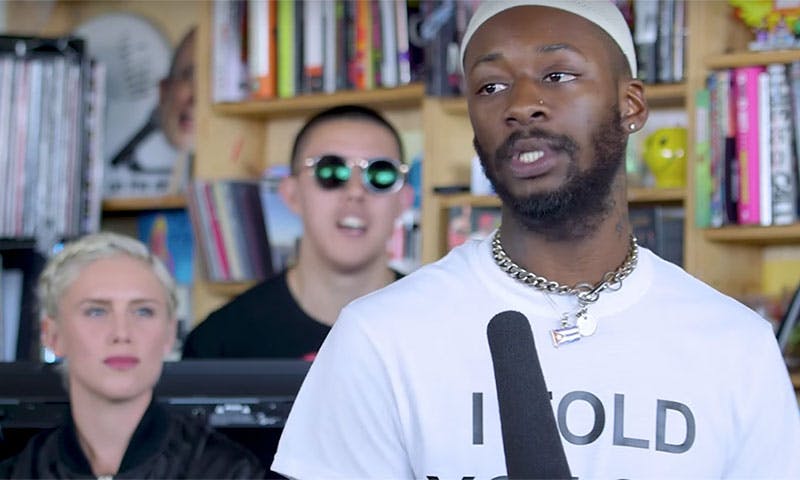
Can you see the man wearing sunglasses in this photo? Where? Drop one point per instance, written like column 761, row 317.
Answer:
column 347, row 184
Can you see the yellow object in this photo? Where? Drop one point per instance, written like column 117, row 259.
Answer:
column 665, row 155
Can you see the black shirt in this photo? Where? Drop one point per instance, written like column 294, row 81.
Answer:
column 164, row 445
column 264, row 322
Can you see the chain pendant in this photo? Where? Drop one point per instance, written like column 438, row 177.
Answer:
column 586, row 325
column 565, row 335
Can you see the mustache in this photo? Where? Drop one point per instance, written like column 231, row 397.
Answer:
column 554, row 142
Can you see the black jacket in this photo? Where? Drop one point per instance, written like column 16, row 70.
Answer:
column 163, row 445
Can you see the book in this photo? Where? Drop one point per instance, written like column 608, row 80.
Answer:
column 389, row 62
column 702, row 146
column 764, row 150
column 287, row 54
column 747, row 145
column 664, row 43
column 228, row 225
column 247, row 198
column 331, row 11
column 645, row 38
column 229, row 69
column 261, row 48
column 660, row 229
column 403, row 54
column 168, row 235
column 679, row 41
column 313, row 46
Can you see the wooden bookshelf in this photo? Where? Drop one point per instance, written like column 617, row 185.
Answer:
column 755, row 235
column 380, row 98
column 121, row 205
column 744, row 59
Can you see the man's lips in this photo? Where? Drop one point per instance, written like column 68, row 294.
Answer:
column 121, row 362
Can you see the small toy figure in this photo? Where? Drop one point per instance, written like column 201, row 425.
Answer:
column 665, row 155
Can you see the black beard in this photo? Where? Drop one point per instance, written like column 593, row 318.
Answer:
column 577, row 208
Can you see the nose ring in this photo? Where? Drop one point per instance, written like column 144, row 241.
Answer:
column 541, row 102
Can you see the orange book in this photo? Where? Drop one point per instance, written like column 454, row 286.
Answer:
column 261, row 49
column 361, row 68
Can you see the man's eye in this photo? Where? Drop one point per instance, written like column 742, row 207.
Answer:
column 94, row 312
column 492, row 88
column 559, row 77
column 145, row 312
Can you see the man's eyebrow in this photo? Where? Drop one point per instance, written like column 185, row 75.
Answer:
column 556, row 47
column 489, row 57
column 543, row 49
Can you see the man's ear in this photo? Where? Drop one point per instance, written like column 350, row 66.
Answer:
column 289, row 192
column 633, row 106
column 49, row 336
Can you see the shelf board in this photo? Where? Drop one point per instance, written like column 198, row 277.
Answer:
column 744, row 59
column 658, row 94
column 111, row 205
column 459, row 199
column 635, row 195
column 665, row 94
column 757, row 235
column 399, row 97
column 229, row 289
column 656, row 195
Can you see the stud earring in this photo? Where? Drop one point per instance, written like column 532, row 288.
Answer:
column 632, row 126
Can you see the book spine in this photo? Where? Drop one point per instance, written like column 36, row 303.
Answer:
column 286, row 48
column 666, row 20
column 216, row 229
column 703, row 182
column 332, row 38
column 764, row 150
column 261, row 48
column 225, row 219
column 645, row 38
column 403, row 54
column 7, row 66
column 747, row 132
column 783, row 175
column 389, row 65
column 229, row 70
column 201, row 228
column 716, row 83
column 312, row 45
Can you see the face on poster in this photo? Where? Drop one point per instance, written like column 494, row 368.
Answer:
column 149, row 127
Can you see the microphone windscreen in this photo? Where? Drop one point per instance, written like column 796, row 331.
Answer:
column 531, row 441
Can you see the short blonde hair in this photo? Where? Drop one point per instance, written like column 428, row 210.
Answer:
column 62, row 269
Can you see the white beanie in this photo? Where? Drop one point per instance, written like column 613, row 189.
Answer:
column 603, row 13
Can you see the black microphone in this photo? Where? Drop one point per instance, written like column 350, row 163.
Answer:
column 531, row 440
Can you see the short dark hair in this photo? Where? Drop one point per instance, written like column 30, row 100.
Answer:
column 340, row 112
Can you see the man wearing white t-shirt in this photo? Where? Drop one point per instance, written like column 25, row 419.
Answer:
column 651, row 373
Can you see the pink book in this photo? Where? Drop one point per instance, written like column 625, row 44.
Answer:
column 747, row 143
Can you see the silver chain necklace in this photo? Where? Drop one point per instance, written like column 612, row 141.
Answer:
column 585, row 292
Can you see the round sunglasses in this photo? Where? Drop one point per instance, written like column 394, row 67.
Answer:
column 379, row 175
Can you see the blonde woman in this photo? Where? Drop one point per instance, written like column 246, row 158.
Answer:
column 108, row 310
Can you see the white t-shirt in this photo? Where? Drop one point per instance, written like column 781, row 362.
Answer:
column 679, row 381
